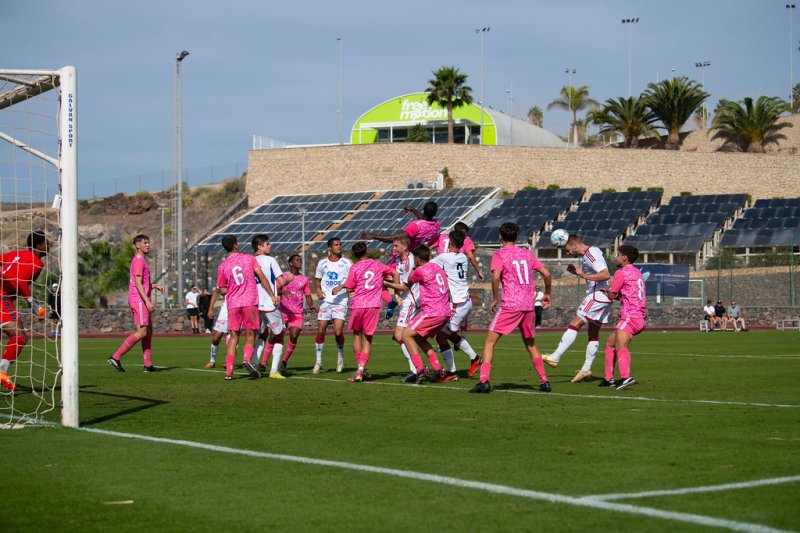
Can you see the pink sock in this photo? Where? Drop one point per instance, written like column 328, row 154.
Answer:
column 127, row 344
column 267, row 352
column 248, row 352
column 538, row 364
column 624, row 363
column 288, row 353
column 434, row 361
column 610, row 354
column 229, row 360
column 417, row 360
column 486, row 370
column 147, row 350
column 364, row 359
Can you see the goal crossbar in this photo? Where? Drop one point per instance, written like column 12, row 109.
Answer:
column 26, row 88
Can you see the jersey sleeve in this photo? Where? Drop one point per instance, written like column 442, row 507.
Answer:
column 469, row 246
column 306, row 287
column 619, row 280
column 536, row 264
column 318, row 273
column 415, row 277
column 350, row 282
column 599, row 262
column 412, row 228
column 497, row 262
column 222, row 280
column 137, row 268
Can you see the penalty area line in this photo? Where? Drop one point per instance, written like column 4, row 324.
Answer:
column 459, row 483
column 693, row 490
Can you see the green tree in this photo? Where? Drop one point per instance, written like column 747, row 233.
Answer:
column 674, row 102
column 102, row 270
column 796, row 98
column 536, row 116
column 573, row 99
column 751, row 124
column 629, row 117
column 418, row 134
column 449, row 90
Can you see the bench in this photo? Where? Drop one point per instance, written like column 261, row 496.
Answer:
column 788, row 323
column 704, row 325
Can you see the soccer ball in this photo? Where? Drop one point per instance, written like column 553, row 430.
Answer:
column 559, row 238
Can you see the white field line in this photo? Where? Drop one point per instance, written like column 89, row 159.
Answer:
column 533, row 392
column 693, row 490
column 460, row 483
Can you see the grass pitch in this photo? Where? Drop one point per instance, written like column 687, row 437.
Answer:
column 709, row 409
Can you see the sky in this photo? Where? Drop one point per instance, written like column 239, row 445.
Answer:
column 272, row 68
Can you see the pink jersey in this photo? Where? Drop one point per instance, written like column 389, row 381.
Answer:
column 139, row 267
column 237, row 274
column 293, row 294
column 629, row 284
column 422, row 232
column 434, row 294
column 443, row 244
column 366, row 277
column 517, row 266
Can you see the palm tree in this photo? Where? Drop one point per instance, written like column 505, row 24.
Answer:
column 448, row 89
column 418, row 134
column 103, row 269
column 629, row 117
column 536, row 116
column 673, row 102
column 796, row 98
column 751, row 124
column 574, row 100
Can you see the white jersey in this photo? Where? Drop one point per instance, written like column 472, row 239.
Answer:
column 593, row 262
column 332, row 274
column 404, row 268
column 455, row 266
column 271, row 270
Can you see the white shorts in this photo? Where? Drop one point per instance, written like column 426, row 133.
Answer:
column 272, row 319
column 408, row 310
column 594, row 308
column 329, row 311
column 460, row 313
column 221, row 323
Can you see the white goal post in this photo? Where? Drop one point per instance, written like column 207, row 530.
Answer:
column 16, row 88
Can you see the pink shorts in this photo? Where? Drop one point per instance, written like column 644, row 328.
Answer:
column 428, row 326
column 632, row 326
column 505, row 321
column 141, row 316
column 244, row 318
column 292, row 320
column 365, row 320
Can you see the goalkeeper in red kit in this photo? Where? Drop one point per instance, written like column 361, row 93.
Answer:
column 18, row 269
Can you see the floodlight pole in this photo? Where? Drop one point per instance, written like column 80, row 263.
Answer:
column 790, row 8
column 341, row 128
column 630, row 23
column 303, row 212
column 482, row 32
column 702, row 65
column 179, row 174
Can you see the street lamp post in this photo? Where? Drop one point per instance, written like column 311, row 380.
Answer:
column 569, row 73
column 303, row 212
column 702, row 65
column 790, row 8
column 341, row 130
column 630, row 23
column 482, row 32
column 161, row 207
column 510, row 92
column 179, row 157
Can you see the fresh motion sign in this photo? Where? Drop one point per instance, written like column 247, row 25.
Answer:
column 415, row 111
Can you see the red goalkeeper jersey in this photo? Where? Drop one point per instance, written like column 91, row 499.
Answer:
column 18, row 269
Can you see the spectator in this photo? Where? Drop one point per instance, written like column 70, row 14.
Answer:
column 191, row 308
column 54, row 303
column 203, row 302
column 722, row 317
column 736, row 316
column 710, row 315
column 537, row 305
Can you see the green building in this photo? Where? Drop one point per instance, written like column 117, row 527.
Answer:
column 390, row 121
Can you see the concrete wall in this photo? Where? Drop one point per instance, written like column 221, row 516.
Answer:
column 388, row 166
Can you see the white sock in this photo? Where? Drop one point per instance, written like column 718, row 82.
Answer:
column 449, row 360
column 4, row 364
column 318, row 348
column 214, row 352
column 277, row 353
column 591, row 351
column 567, row 339
column 340, row 350
column 407, row 355
column 259, row 351
column 467, row 349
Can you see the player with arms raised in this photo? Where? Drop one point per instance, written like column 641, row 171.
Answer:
column 514, row 268
column 331, row 273
column 595, row 308
column 20, row 268
column 627, row 287
column 141, row 305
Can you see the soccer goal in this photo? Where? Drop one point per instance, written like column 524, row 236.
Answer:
column 38, row 193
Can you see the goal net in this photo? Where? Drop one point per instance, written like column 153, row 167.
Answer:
column 38, row 195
